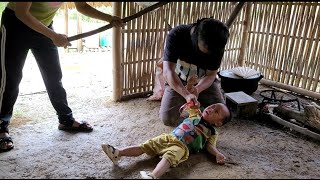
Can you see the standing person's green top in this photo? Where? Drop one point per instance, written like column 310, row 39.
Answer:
column 43, row 11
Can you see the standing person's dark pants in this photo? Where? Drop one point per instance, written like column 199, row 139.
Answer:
column 16, row 40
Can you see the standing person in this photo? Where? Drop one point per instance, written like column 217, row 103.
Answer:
column 195, row 133
column 28, row 26
column 192, row 50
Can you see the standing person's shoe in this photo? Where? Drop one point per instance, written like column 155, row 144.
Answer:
column 111, row 152
column 83, row 127
column 6, row 144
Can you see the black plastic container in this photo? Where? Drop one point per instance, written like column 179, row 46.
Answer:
column 233, row 83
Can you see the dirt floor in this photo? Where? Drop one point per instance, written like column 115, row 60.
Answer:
column 254, row 148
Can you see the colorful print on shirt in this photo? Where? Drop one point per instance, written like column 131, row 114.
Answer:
column 194, row 132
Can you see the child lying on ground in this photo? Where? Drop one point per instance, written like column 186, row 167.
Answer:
column 192, row 135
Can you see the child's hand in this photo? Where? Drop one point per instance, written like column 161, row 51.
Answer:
column 220, row 158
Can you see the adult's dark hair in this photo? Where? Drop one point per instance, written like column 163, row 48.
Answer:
column 212, row 32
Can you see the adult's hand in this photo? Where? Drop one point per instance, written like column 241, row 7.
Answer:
column 192, row 98
column 61, row 40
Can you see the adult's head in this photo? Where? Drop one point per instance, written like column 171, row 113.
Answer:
column 210, row 35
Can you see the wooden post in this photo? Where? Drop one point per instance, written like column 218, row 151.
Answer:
column 116, row 55
column 245, row 33
column 79, row 31
column 66, row 23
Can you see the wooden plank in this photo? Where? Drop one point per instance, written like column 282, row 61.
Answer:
column 240, row 98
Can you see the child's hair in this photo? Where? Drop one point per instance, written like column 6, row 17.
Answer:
column 228, row 118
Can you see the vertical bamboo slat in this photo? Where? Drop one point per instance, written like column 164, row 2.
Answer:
column 308, row 46
column 302, row 52
column 292, row 43
column 314, row 59
column 127, row 36
column 298, row 46
column 144, row 52
column 287, row 28
column 275, row 41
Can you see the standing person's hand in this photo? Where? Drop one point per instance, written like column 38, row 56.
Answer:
column 61, row 40
column 85, row 9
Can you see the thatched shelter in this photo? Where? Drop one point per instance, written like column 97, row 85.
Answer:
column 279, row 39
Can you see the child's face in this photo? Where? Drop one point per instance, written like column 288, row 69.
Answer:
column 215, row 114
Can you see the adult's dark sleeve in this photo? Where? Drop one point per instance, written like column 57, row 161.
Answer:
column 171, row 47
column 216, row 58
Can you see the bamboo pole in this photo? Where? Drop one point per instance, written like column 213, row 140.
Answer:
column 235, row 13
column 116, row 54
column 125, row 20
column 291, row 88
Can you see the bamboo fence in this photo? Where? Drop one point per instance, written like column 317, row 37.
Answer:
column 279, row 39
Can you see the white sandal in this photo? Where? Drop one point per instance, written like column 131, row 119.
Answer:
column 111, row 152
